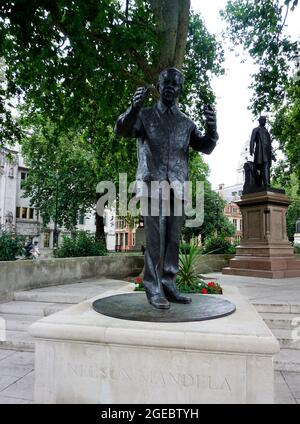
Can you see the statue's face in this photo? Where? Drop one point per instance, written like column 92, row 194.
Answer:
column 262, row 120
column 169, row 86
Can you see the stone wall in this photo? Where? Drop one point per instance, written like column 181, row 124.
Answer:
column 212, row 263
column 24, row 275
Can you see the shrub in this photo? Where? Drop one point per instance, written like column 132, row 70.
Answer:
column 218, row 245
column 81, row 243
column 201, row 287
column 187, row 275
column 297, row 248
column 185, row 247
column 11, row 245
column 188, row 280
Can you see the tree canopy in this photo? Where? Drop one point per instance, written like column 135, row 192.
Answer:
column 260, row 27
column 74, row 66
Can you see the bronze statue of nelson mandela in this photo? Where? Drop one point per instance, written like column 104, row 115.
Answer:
column 164, row 136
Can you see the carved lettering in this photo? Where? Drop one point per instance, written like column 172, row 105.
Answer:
column 155, row 377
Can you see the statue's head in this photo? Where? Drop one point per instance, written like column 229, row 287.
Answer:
column 170, row 84
column 262, row 120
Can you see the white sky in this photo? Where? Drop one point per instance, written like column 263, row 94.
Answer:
column 235, row 121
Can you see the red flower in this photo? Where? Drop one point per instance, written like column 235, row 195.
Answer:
column 211, row 284
column 203, row 291
column 139, row 280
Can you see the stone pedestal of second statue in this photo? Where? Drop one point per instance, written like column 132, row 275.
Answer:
column 264, row 250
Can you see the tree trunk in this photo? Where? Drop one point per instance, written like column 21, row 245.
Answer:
column 172, row 20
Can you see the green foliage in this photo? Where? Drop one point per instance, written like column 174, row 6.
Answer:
column 187, row 274
column 203, row 52
column 80, row 244
column 286, row 129
column 201, row 287
column 214, row 218
column 218, row 245
column 297, row 249
column 11, row 245
column 76, row 65
column 188, row 280
column 290, row 181
column 185, row 247
column 259, row 27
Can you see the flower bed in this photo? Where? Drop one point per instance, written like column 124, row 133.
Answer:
column 199, row 287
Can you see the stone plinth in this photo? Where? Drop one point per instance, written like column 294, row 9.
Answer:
column 264, row 250
column 85, row 357
column 297, row 239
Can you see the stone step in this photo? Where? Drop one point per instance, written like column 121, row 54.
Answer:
column 17, row 340
column 280, row 320
column 55, row 307
column 31, row 308
column 286, row 339
column 16, row 322
column 287, row 360
column 278, row 308
column 246, row 272
column 49, row 297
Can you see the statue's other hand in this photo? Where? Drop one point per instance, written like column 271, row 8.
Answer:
column 139, row 97
column 210, row 117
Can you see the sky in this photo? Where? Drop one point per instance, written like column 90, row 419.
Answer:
column 235, row 121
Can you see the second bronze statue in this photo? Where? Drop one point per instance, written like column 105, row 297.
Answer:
column 165, row 135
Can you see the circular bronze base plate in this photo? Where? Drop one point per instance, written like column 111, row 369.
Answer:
column 135, row 307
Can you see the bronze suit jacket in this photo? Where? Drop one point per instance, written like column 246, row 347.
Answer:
column 164, row 137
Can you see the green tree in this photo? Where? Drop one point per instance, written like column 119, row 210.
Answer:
column 290, row 181
column 215, row 221
column 260, row 28
column 75, row 65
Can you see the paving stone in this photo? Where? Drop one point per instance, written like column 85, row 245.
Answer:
column 282, row 393
column 279, row 320
column 21, row 389
column 15, row 370
column 19, row 359
column 23, row 308
column 285, row 338
column 272, row 307
column 16, row 322
column 17, row 340
column 293, row 381
column 287, row 360
column 5, row 400
column 4, row 353
column 6, row 380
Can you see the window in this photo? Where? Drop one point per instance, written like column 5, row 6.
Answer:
column 241, row 224
column 126, row 239
column 18, row 212
column 23, row 179
column 234, row 193
column 240, row 192
column 81, row 220
column 234, row 210
column 133, row 239
column 31, row 213
column 24, row 213
column 235, row 223
column 47, row 239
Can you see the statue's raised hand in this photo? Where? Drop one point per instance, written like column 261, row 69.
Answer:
column 210, row 117
column 139, row 97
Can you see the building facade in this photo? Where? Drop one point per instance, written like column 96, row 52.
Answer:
column 17, row 213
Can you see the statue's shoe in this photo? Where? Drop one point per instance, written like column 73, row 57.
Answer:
column 173, row 295
column 158, row 301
